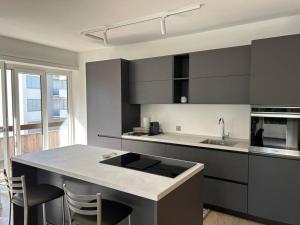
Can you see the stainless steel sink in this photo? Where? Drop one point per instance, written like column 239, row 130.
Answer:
column 219, row 142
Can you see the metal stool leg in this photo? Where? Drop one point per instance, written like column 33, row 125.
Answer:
column 63, row 209
column 129, row 219
column 10, row 209
column 25, row 216
column 44, row 214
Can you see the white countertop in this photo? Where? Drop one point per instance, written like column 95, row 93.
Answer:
column 82, row 162
column 241, row 145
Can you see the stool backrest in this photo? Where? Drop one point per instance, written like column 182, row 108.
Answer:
column 16, row 185
column 89, row 205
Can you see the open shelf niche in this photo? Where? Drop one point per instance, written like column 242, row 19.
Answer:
column 181, row 78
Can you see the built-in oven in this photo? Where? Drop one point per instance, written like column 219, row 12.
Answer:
column 275, row 130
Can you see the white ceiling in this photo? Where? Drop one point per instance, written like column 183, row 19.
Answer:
column 59, row 22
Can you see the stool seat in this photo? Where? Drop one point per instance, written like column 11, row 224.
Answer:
column 112, row 213
column 38, row 194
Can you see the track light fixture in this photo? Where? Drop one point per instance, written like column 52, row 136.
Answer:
column 163, row 25
column 92, row 33
column 104, row 34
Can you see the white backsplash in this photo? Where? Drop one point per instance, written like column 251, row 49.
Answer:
column 201, row 119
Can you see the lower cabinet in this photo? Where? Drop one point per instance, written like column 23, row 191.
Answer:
column 274, row 185
column 225, row 194
column 108, row 142
column 226, row 173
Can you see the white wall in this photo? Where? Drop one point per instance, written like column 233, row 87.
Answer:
column 28, row 52
column 226, row 37
column 201, row 119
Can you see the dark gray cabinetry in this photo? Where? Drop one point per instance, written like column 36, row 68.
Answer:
column 150, row 69
column 220, row 62
column 226, row 173
column 225, row 194
column 108, row 111
column 220, row 76
column 107, row 142
column 274, row 189
column 218, row 164
column 220, row 90
column 151, row 92
column 275, row 71
column 151, row 80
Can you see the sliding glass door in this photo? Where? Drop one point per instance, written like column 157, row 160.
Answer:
column 58, row 110
column 35, row 111
column 28, row 111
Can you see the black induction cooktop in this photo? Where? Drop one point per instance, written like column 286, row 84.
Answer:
column 150, row 164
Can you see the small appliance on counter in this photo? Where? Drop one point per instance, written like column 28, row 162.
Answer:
column 154, row 128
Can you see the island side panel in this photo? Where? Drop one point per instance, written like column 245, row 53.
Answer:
column 184, row 205
column 143, row 209
column 30, row 174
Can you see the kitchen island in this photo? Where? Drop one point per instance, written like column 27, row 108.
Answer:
column 155, row 199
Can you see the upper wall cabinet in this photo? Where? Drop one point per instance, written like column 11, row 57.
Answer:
column 275, row 71
column 220, row 62
column 151, row 80
column 220, row 76
column 151, row 69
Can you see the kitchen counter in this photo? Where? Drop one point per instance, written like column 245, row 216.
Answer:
column 241, row 145
column 82, row 162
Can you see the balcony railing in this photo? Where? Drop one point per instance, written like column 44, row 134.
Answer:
column 33, row 142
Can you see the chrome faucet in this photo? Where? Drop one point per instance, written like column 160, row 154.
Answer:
column 221, row 120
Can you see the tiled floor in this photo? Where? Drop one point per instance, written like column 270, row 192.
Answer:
column 213, row 218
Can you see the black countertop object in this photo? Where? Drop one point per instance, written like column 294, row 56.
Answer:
column 150, row 164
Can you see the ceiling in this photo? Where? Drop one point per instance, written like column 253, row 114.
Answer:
column 59, row 22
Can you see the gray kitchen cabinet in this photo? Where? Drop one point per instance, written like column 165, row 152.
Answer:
column 109, row 113
column 221, row 164
column 225, row 194
column 220, row 90
column 149, row 148
column 275, row 71
column 226, row 173
column 151, row 92
column 151, row 69
column 274, row 189
column 220, row 62
column 218, row 164
column 151, row 80
column 108, row 142
column 220, row 76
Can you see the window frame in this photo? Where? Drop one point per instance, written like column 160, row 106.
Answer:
column 42, row 72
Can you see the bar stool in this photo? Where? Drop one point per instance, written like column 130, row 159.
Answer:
column 92, row 210
column 27, row 197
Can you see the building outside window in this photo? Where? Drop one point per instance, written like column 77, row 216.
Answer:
column 33, row 82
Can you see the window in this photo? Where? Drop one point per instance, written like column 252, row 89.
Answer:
column 33, row 82
column 33, row 105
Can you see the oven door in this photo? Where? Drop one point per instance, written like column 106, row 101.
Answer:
column 275, row 129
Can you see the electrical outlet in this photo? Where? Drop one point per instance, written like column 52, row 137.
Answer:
column 178, row 128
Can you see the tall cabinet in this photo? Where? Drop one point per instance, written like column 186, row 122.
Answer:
column 109, row 113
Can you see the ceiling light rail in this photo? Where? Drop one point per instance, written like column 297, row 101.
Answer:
column 91, row 33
